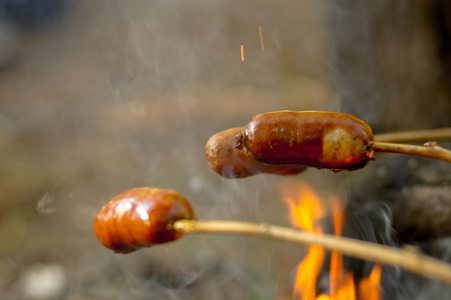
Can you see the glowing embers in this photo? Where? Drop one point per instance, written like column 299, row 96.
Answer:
column 306, row 210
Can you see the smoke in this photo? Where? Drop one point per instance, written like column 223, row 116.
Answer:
column 386, row 63
column 102, row 96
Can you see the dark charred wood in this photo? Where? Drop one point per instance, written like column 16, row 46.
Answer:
column 417, row 192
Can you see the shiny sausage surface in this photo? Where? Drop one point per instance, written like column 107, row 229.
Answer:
column 140, row 218
column 225, row 159
column 318, row 139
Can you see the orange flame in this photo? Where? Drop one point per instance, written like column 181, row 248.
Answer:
column 336, row 259
column 305, row 213
column 369, row 287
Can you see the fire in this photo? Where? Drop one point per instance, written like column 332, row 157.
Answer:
column 368, row 288
column 306, row 210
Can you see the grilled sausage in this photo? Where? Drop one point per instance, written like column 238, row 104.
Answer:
column 226, row 160
column 140, row 217
column 312, row 138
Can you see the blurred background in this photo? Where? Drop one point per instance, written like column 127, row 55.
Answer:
column 97, row 97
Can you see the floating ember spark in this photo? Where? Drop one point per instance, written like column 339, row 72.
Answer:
column 261, row 38
column 242, row 53
column 305, row 212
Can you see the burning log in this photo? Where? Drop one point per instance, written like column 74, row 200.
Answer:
column 144, row 217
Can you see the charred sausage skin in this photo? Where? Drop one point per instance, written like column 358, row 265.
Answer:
column 226, row 160
column 140, row 217
column 318, row 139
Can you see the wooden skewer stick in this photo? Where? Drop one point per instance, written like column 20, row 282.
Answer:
column 405, row 259
column 430, row 149
column 414, row 135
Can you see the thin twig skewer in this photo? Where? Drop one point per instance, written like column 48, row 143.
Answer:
column 431, row 150
column 414, row 135
column 405, row 259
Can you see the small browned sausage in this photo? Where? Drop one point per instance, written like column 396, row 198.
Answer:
column 312, row 138
column 226, row 160
column 140, row 217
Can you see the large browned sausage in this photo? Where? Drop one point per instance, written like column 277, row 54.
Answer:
column 226, row 160
column 318, row 139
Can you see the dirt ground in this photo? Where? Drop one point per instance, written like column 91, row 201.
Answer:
column 111, row 96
